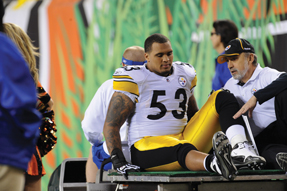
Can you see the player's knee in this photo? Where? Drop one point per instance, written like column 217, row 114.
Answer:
column 225, row 95
column 182, row 152
column 225, row 98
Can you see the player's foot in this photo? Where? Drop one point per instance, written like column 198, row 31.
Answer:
column 281, row 159
column 244, row 157
column 222, row 149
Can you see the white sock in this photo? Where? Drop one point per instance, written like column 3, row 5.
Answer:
column 204, row 163
column 234, row 130
column 236, row 134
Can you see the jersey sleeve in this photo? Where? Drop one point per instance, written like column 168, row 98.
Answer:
column 193, row 83
column 124, row 82
column 190, row 73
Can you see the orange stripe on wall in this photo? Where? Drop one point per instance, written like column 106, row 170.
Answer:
column 204, row 6
column 65, row 120
column 80, row 70
column 62, row 11
column 280, row 11
column 79, row 137
column 76, row 108
column 81, row 92
column 276, row 10
column 67, row 140
column 257, row 14
column 168, row 15
column 50, row 157
column 66, row 155
column 251, row 3
column 79, row 154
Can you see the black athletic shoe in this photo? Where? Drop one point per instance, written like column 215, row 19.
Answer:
column 222, row 149
column 244, row 157
column 281, row 159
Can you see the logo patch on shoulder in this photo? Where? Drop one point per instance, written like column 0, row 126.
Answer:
column 227, row 48
column 253, row 90
column 182, row 81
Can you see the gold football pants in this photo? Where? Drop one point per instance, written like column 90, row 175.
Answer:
column 198, row 132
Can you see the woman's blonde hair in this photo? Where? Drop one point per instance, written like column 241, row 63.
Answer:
column 24, row 43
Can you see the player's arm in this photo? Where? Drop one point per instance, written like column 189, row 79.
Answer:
column 273, row 89
column 192, row 107
column 119, row 109
column 263, row 95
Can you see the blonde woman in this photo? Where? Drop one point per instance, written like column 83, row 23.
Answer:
column 35, row 167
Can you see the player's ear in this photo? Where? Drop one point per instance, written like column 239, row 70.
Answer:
column 146, row 56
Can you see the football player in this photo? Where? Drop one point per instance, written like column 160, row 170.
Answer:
column 158, row 99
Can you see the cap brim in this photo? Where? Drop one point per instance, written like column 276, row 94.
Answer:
column 222, row 58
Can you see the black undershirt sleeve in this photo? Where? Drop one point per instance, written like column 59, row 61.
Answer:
column 272, row 89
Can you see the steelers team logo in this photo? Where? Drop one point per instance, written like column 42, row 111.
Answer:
column 253, row 90
column 182, row 81
column 227, row 48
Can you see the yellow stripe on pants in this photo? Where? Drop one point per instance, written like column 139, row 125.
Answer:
column 202, row 126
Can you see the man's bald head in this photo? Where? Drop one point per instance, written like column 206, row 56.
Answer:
column 134, row 53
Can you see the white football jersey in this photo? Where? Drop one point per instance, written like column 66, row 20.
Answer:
column 160, row 102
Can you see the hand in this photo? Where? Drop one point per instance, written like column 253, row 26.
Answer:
column 248, row 106
column 128, row 168
column 120, row 163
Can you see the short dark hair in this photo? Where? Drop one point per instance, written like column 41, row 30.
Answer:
column 226, row 29
column 159, row 38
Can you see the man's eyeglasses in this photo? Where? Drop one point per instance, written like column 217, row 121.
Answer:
column 212, row 33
